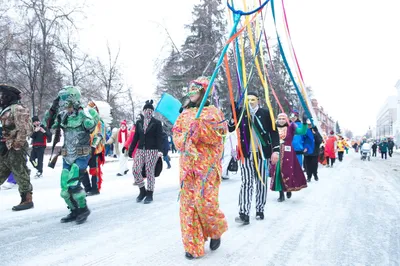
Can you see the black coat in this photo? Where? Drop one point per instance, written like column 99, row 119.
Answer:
column 166, row 147
column 268, row 135
column 390, row 144
column 153, row 138
column 40, row 139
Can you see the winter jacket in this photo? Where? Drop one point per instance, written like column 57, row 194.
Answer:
column 317, row 143
column 330, row 147
column 309, row 142
column 374, row 146
column 390, row 144
column 151, row 140
column 165, row 144
column 298, row 141
column 264, row 130
column 383, row 146
column 40, row 139
column 128, row 142
column 341, row 144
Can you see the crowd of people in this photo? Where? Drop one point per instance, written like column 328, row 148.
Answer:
column 251, row 141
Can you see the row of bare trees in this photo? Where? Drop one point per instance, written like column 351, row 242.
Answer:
column 40, row 53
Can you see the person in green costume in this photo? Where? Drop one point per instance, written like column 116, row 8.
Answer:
column 67, row 113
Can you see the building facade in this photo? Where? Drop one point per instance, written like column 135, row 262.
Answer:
column 326, row 122
column 386, row 118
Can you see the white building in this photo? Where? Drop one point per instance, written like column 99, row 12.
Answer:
column 396, row 129
column 387, row 117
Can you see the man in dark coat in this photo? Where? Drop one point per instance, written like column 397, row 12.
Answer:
column 259, row 125
column 148, row 137
column 390, row 146
column 311, row 158
column 40, row 137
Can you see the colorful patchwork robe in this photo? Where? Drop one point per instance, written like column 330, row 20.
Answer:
column 200, row 142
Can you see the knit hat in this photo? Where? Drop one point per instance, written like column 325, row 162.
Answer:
column 331, row 132
column 148, row 105
column 123, row 122
column 295, row 113
column 35, row 119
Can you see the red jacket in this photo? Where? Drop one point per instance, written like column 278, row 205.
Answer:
column 129, row 141
column 330, row 147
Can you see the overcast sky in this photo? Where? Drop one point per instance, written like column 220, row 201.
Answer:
column 349, row 51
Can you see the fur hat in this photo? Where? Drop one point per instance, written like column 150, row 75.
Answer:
column 148, row 105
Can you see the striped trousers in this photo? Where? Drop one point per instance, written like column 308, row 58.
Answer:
column 249, row 177
column 147, row 158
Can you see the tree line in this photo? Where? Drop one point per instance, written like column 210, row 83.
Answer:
column 40, row 53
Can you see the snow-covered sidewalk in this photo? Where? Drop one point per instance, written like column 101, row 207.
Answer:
column 349, row 217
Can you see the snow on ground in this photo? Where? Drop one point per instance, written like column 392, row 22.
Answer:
column 349, row 217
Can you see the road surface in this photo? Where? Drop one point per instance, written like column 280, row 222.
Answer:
column 350, row 217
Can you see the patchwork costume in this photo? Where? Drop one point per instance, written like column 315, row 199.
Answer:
column 200, row 142
column 97, row 140
column 77, row 124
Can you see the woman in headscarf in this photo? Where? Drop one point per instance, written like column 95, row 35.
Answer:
column 287, row 175
column 200, row 142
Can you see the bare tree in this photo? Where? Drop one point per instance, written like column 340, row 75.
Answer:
column 27, row 62
column 110, row 79
column 49, row 19
column 73, row 59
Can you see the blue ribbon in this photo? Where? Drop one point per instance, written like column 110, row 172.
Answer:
column 241, row 13
column 302, row 101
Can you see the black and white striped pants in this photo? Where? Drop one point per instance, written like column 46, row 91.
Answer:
column 249, row 177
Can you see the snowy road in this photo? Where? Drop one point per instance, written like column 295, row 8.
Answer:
column 350, row 217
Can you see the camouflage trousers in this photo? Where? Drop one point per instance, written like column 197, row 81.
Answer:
column 15, row 162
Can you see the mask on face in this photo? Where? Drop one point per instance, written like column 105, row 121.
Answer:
column 148, row 113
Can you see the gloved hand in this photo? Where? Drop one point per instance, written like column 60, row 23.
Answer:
column 123, row 150
column 305, row 117
column 55, row 104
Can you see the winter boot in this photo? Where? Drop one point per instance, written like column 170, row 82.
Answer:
column 189, row 256
column 149, row 197
column 308, row 179
column 142, row 194
column 215, row 243
column 289, row 194
column 259, row 216
column 94, row 190
column 281, row 196
column 315, row 177
column 83, row 214
column 70, row 217
column 242, row 219
column 26, row 202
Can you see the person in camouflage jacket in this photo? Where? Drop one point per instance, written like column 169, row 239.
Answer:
column 15, row 128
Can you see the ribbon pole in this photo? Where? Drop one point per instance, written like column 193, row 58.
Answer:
column 221, row 58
